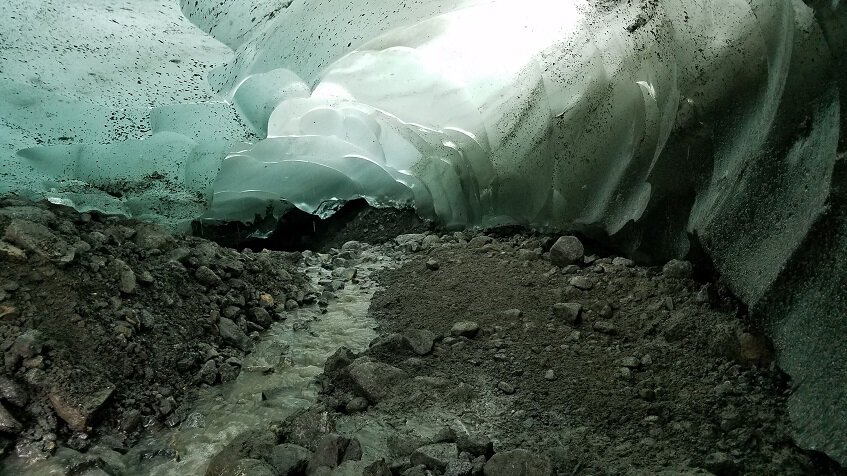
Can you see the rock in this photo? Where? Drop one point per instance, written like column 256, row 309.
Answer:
column 721, row 464
column 391, row 344
column 409, row 238
column 566, row 251
column 334, row 449
column 29, row 213
column 78, row 411
column 581, row 282
column 435, row 456
column 261, row 316
column 417, row 471
column 40, row 240
column 432, row 265
column 233, row 335
column 8, row 423
column 459, row 468
column 604, row 327
column 477, row 445
column 420, row 340
column 339, row 360
column 127, row 282
column 12, row 392
column 374, row 380
column 208, row 373
column 28, row 345
column 678, row 269
column 753, row 349
column 130, row 421
column 207, row 277
column 550, row 375
column 290, row 460
column 255, row 445
column 512, row 313
column 518, row 463
column 9, row 312
column 630, row 362
column 377, row 468
column 10, row 252
column 357, row 405
column 253, row 467
column 149, row 236
column 307, row 427
column 480, row 241
column 570, row 312
column 623, row 262
column 467, row 329
column 506, row 388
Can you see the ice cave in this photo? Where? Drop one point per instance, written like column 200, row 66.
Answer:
column 707, row 130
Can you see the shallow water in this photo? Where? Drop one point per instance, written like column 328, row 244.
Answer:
column 277, row 379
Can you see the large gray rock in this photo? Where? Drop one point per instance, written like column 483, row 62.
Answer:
column 290, row 460
column 78, row 410
column 374, row 380
column 234, row 336
column 435, row 456
column 566, row 251
column 420, row 340
column 8, row 423
column 518, row 463
column 40, row 240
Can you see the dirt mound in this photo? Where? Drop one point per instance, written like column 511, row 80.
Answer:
column 108, row 326
column 602, row 366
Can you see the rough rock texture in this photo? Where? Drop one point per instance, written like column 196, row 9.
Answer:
column 107, row 326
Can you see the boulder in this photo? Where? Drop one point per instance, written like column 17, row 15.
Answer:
column 374, row 380
column 567, row 250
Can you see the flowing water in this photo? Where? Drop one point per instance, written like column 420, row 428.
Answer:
column 277, row 379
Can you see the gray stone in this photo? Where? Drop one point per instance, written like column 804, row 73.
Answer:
column 149, row 236
column 28, row 213
column 467, row 329
column 604, row 327
column 459, row 468
column 570, row 312
column 334, row 449
column 409, row 238
column 12, row 392
column 435, row 456
column 357, row 405
column 480, row 241
column 506, row 388
column 208, row 373
column 127, row 282
column 261, row 316
column 420, row 340
column 76, row 410
column 374, row 380
column 253, row 467
column 566, row 251
column 378, row 468
column 342, row 357
column 550, row 375
column 581, row 282
column 8, row 423
column 678, row 269
column 233, row 335
column 40, row 240
column 623, row 262
column 432, row 265
column 207, row 277
column 290, row 460
column 475, row 444
column 28, row 345
column 630, row 362
column 518, row 463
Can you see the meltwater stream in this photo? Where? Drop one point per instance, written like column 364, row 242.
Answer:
column 277, row 379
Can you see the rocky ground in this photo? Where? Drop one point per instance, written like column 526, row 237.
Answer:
column 526, row 356
column 108, row 326
column 505, row 354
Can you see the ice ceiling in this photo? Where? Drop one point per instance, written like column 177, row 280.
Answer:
column 646, row 123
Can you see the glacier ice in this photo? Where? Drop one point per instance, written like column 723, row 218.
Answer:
column 663, row 127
